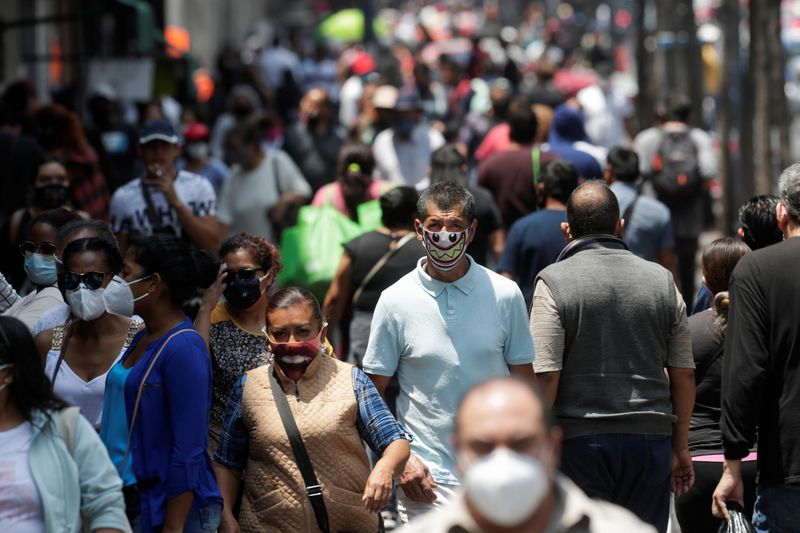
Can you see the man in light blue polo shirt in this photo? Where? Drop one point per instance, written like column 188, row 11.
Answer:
column 444, row 327
column 648, row 223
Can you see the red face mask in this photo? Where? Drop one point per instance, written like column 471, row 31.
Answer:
column 293, row 358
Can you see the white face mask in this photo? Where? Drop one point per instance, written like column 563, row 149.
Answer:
column 86, row 304
column 506, row 487
column 118, row 297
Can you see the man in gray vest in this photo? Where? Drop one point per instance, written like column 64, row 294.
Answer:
column 606, row 325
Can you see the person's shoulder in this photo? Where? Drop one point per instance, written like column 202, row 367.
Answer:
column 185, row 177
column 654, row 205
column 501, row 286
column 185, row 342
column 133, row 187
column 403, row 289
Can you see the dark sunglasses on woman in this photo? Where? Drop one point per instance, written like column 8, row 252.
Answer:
column 243, row 273
column 91, row 280
column 29, row 248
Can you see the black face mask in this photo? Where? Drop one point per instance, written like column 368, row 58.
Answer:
column 241, row 111
column 51, row 196
column 243, row 293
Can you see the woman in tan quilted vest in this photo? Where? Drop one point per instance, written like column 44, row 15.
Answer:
column 334, row 406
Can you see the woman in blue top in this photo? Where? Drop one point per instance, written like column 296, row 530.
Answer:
column 162, row 386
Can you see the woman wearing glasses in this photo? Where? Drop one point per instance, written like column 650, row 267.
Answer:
column 334, row 406
column 40, row 253
column 155, row 410
column 78, row 356
column 234, row 327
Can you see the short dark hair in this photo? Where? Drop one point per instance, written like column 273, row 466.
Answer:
column 98, row 228
column 30, row 390
column 592, row 209
column 560, row 178
column 527, row 384
column 759, row 221
column 447, row 196
column 398, row 207
column 355, row 152
column 95, row 244
column 447, row 164
column 293, row 296
column 263, row 252
column 522, row 124
column 183, row 268
column 624, row 164
column 58, row 218
column 678, row 107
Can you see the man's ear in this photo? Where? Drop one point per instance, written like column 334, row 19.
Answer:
column 472, row 229
column 607, row 177
column 740, row 232
column 620, row 231
column 565, row 232
column 418, row 228
column 541, row 194
column 782, row 216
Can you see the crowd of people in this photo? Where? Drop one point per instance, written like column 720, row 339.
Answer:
column 516, row 341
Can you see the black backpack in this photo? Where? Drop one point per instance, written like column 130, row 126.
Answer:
column 675, row 170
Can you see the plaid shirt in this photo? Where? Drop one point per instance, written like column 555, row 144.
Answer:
column 8, row 296
column 374, row 422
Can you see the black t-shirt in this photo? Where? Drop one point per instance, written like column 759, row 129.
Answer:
column 708, row 339
column 489, row 221
column 365, row 251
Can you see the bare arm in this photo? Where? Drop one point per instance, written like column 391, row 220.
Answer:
column 666, row 258
column 380, row 382
column 44, row 341
column 228, row 482
column 523, row 371
column 203, row 231
column 339, row 292
column 548, row 381
column 497, row 243
column 682, row 391
column 175, row 512
column 388, row 468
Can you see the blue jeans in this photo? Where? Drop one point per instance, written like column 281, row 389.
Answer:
column 204, row 519
column 633, row 471
column 777, row 510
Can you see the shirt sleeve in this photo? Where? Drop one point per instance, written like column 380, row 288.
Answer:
column 706, row 154
column 667, row 236
column 233, row 445
column 679, row 344
column 224, row 213
column 186, row 374
column 375, row 423
column 204, row 199
column 745, row 366
column 518, row 349
column 383, row 350
column 289, row 175
column 8, row 296
column 546, row 330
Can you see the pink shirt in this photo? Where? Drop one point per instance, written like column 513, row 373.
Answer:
column 331, row 194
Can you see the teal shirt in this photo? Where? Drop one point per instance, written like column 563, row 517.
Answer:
column 114, row 423
column 443, row 338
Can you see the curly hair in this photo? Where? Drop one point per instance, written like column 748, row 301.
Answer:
column 262, row 251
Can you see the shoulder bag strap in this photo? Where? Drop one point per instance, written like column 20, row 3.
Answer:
column 626, row 216
column 139, row 395
column 313, row 488
column 152, row 216
column 380, row 264
column 66, row 333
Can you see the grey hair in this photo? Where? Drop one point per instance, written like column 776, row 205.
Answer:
column 789, row 187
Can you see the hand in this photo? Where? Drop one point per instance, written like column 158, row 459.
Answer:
column 378, row 490
column 228, row 524
column 212, row 294
column 729, row 488
column 682, row 472
column 416, row 481
column 163, row 181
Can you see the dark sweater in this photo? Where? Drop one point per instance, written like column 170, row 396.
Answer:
column 761, row 366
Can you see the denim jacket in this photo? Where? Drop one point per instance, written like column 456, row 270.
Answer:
column 79, row 489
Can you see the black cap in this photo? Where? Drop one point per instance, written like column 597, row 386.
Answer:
column 158, row 130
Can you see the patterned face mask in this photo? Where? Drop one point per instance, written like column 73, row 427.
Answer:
column 445, row 248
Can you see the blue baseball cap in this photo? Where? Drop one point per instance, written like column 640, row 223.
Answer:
column 158, row 130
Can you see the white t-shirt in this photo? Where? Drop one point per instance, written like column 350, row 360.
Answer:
column 247, row 196
column 406, row 162
column 129, row 209
column 20, row 503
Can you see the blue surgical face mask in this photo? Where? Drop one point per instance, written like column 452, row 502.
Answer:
column 41, row 269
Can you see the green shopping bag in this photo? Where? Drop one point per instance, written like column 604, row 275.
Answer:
column 311, row 249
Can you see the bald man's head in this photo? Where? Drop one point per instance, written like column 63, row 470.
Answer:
column 593, row 209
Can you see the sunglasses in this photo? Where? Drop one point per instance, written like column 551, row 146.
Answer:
column 91, row 280
column 28, row 248
column 244, row 273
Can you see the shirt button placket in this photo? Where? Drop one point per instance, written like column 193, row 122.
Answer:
column 451, row 312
